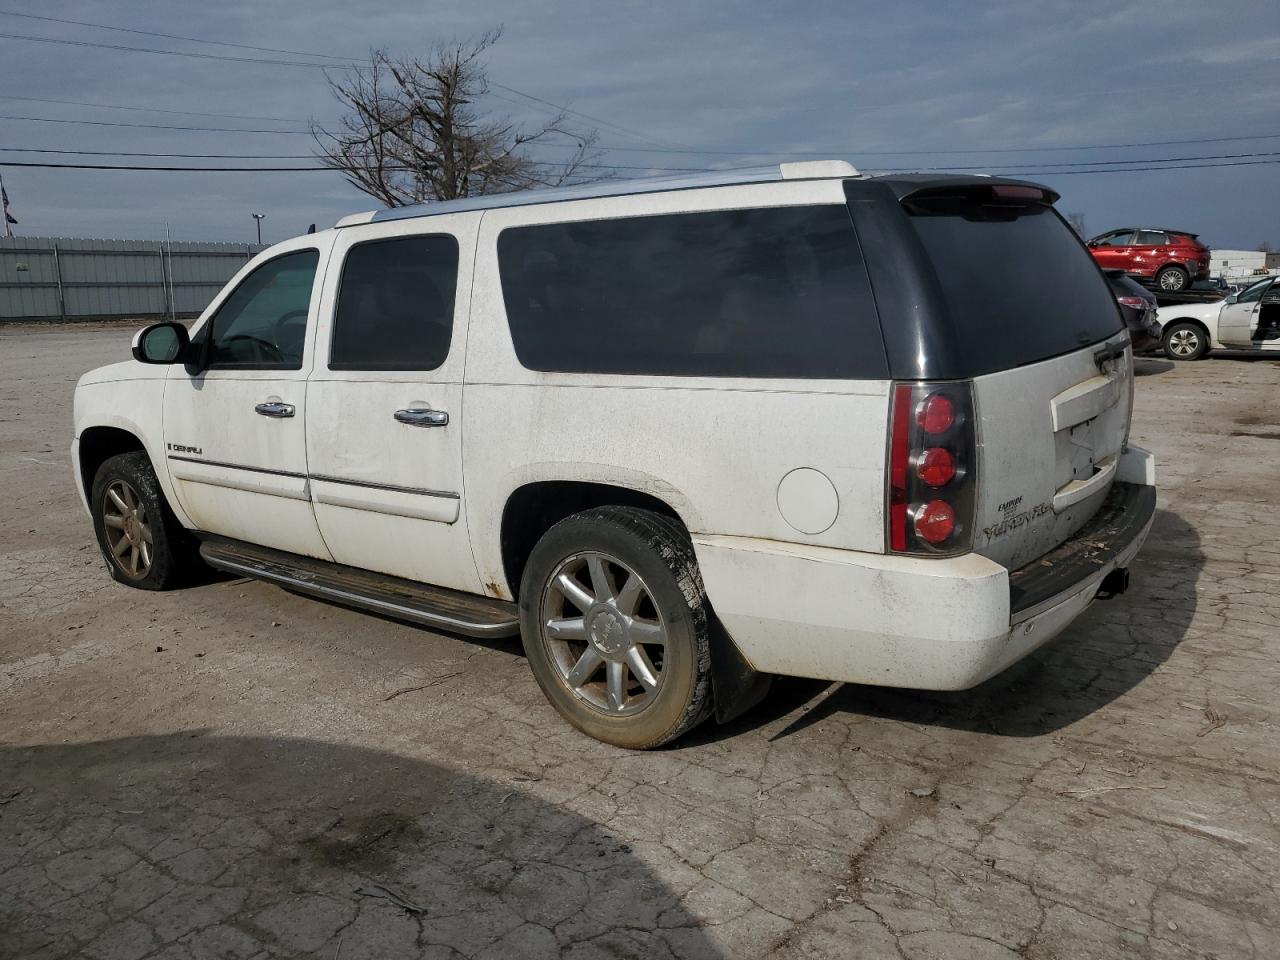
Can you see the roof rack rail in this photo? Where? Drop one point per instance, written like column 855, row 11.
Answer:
column 808, row 170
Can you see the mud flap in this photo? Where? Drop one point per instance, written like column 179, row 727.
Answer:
column 735, row 686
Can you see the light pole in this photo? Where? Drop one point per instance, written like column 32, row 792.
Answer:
column 258, row 218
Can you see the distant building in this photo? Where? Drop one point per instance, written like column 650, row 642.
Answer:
column 1273, row 261
column 1234, row 264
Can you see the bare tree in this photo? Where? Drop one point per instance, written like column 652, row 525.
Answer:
column 1077, row 222
column 413, row 131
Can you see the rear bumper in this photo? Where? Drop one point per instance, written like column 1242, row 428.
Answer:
column 945, row 624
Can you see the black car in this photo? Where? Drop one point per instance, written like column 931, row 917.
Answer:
column 1138, row 305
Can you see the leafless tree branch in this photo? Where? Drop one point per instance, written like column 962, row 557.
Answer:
column 412, row 131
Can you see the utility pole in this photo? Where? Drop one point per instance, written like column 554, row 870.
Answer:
column 258, row 218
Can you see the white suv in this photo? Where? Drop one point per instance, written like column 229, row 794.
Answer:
column 680, row 434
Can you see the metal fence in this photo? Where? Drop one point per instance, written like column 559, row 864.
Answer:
column 76, row 279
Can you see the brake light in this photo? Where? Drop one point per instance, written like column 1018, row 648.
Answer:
column 932, row 468
column 1136, row 302
column 935, row 521
column 936, row 413
column 936, row 466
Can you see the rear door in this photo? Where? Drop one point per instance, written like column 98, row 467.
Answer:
column 384, row 428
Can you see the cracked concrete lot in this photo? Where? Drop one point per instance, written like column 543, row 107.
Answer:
column 234, row 771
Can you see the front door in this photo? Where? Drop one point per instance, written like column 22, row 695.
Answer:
column 1238, row 321
column 384, row 402
column 1115, row 251
column 234, row 418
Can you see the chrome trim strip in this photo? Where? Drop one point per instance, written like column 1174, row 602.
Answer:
column 384, row 486
column 392, row 488
column 467, row 628
column 238, row 466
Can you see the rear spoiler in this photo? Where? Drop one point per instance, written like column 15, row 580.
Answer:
column 922, row 186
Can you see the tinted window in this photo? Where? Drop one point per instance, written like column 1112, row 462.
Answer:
column 263, row 323
column 779, row 292
column 1253, row 294
column 1016, row 283
column 395, row 305
column 1117, row 240
column 1150, row 238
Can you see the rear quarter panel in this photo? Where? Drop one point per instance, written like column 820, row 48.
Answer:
column 715, row 450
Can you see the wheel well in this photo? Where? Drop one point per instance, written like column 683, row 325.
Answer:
column 98, row 445
column 535, row 508
column 1191, row 321
column 1166, row 266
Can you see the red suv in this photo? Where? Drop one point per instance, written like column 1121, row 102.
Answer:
column 1170, row 259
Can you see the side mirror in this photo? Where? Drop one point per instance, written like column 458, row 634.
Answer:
column 1233, row 298
column 161, row 343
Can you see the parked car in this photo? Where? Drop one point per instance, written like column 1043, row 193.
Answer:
column 1138, row 307
column 1169, row 259
column 679, row 434
column 1248, row 320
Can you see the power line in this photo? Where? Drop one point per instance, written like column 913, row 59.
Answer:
column 120, row 106
column 285, row 156
column 172, row 53
column 157, row 126
column 193, row 169
column 167, row 36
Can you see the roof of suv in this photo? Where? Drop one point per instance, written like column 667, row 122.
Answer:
column 902, row 185
column 1181, row 233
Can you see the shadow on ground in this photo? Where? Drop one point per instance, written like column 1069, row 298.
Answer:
column 191, row 845
column 1146, row 366
column 1112, row 648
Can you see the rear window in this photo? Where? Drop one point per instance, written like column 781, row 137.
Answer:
column 772, row 293
column 395, row 305
column 1017, row 284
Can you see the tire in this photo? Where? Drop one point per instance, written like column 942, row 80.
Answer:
column 1172, row 279
column 578, row 640
column 1184, row 341
column 142, row 542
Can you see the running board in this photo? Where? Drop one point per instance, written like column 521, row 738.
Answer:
column 451, row 610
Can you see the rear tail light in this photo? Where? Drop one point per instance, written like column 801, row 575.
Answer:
column 1136, row 302
column 932, row 468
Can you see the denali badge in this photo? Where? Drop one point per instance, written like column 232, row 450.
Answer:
column 179, row 448
column 1012, row 520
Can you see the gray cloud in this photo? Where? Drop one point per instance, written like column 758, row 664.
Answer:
column 846, row 78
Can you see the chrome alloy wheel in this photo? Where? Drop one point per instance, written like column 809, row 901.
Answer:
column 1171, row 280
column 129, row 535
column 603, row 632
column 1184, row 343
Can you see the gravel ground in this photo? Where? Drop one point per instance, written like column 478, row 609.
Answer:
column 235, row 771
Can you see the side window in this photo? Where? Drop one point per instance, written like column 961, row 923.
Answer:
column 262, row 325
column 773, row 292
column 1254, row 294
column 1118, row 240
column 395, row 305
column 1151, row 238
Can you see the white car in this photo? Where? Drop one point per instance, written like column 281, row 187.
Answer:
column 1248, row 320
column 680, row 435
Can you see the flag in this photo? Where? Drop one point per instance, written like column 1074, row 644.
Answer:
column 8, row 217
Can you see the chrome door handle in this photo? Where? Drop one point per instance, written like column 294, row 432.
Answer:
column 423, row 418
column 274, row 408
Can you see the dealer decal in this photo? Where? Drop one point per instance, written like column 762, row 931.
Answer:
column 1015, row 518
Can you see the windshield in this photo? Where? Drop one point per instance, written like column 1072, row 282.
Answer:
column 1017, row 283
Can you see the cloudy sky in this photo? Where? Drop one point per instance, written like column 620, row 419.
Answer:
column 1011, row 86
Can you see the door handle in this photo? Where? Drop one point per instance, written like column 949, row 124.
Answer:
column 423, row 417
column 274, row 408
